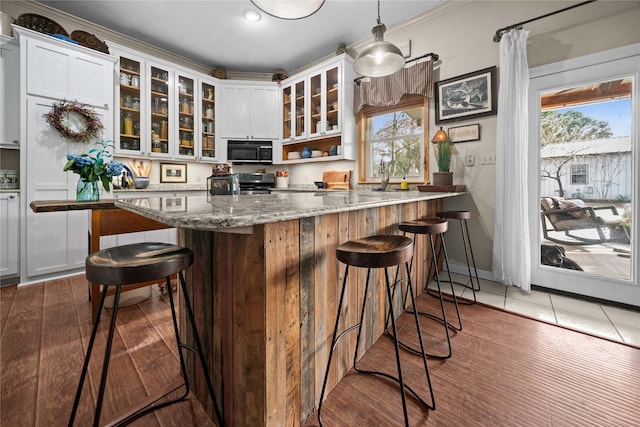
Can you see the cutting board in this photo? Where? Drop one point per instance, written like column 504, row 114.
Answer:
column 337, row 179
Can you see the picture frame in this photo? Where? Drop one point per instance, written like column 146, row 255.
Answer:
column 467, row 96
column 464, row 133
column 173, row 173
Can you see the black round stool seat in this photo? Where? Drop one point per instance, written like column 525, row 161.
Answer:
column 454, row 214
column 424, row 226
column 136, row 263
column 376, row 251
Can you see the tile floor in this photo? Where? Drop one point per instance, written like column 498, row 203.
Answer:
column 602, row 320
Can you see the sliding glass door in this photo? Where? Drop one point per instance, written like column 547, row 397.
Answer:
column 584, row 169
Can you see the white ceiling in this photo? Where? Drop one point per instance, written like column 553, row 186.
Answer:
column 215, row 33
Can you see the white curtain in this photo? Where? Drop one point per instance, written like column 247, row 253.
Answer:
column 511, row 246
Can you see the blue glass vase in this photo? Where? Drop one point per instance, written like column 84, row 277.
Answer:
column 87, row 191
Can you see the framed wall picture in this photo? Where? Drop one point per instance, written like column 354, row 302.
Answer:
column 464, row 133
column 468, row 96
column 173, row 173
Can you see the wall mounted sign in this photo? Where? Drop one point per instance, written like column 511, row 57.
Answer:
column 466, row 96
column 464, row 133
column 173, row 173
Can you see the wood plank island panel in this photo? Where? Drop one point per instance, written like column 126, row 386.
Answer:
column 265, row 305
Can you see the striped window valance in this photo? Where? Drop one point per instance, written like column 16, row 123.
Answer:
column 387, row 91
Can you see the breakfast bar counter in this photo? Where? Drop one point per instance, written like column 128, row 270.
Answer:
column 265, row 283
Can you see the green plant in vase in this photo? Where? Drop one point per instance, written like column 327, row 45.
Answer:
column 93, row 167
column 443, row 151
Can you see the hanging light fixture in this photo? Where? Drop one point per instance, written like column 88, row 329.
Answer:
column 289, row 9
column 439, row 136
column 380, row 58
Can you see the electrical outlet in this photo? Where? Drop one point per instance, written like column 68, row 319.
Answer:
column 470, row 160
column 405, row 48
column 488, row 159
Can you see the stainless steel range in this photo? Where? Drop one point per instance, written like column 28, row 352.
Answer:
column 256, row 183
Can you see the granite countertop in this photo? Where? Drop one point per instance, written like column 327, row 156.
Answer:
column 221, row 212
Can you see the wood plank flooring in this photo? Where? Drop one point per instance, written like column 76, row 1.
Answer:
column 45, row 333
column 506, row 370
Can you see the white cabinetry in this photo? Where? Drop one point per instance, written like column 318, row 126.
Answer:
column 317, row 112
column 9, row 226
column 249, row 111
column 56, row 243
column 164, row 110
column 10, row 96
column 58, row 70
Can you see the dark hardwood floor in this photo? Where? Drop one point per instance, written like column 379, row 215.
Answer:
column 506, row 370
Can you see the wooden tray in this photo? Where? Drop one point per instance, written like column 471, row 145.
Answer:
column 442, row 188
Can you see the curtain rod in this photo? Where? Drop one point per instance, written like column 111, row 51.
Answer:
column 498, row 36
column 434, row 58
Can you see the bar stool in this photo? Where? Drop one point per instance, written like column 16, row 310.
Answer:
column 434, row 228
column 122, row 265
column 377, row 252
column 463, row 216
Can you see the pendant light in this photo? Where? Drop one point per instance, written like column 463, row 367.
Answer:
column 289, row 9
column 439, row 136
column 380, row 58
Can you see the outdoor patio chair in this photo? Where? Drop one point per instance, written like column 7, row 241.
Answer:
column 560, row 214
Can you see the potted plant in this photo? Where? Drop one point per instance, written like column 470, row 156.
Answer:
column 443, row 159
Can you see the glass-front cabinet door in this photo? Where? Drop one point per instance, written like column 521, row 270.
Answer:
column 325, row 102
column 186, row 107
column 294, row 111
column 208, row 124
column 130, row 117
column 299, row 125
column 160, row 110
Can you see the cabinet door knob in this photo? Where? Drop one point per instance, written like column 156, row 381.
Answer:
column 12, row 196
column 15, row 141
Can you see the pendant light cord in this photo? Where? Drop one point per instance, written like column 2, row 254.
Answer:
column 378, row 12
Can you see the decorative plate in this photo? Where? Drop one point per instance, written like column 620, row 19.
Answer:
column 89, row 40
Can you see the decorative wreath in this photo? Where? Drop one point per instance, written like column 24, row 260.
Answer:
column 93, row 125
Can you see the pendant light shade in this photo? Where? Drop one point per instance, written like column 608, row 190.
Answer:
column 289, row 9
column 380, row 58
column 439, row 136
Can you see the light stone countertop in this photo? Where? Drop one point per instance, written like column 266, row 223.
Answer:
column 224, row 212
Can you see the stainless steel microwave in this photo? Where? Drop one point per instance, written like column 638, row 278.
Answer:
column 242, row 151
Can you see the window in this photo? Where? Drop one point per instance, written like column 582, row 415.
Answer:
column 579, row 174
column 396, row 137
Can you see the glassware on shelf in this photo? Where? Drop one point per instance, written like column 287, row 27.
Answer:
column 128, row 124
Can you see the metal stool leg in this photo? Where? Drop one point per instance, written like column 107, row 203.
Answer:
column 399, row 379
column 432, row 265
column 470, row 259
column 398, row 344
column 105, row 364
column 336, row 338
column 85, row 365
column 183, row 370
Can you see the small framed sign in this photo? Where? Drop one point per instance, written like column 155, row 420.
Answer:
column 173, row 173
column 464, row 133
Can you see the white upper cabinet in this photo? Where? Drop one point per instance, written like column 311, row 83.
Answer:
column 55, row 69
column 248, row 111
column 317, row 112
column 10, row 93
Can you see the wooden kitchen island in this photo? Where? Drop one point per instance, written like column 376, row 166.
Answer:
column 265, row 285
